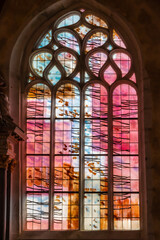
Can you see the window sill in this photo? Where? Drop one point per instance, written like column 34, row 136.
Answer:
column 56, row 235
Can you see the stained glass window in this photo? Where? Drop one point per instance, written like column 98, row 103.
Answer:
column 82, row 150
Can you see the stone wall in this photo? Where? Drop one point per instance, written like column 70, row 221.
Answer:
column 143, row 18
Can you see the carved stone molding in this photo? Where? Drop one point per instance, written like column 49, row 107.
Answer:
column 12, row 164
column 4, row 104
column 7, row 151
column 4, row 161
column 9, row 136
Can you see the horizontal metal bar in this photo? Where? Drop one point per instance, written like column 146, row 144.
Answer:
column 37, row 192
column 41, row 155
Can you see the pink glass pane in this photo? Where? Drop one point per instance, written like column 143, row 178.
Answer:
column 38, row 136
column 133, row 78
column 125, row 139
column 67, row 140
column 125, row 160
column 123, row 61
column 125, row 102
column 117, row 39
column 110, row 75
column 96, row 158
column 37, row 159
column 82, row 10
column 96, row 40
column 66, row 159
column 96, row 61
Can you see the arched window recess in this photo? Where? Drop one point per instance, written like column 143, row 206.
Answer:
column 82, row 121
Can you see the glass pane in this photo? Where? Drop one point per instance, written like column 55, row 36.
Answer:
column 126, row 211
column 96, row 61
column 96, row 40
column 68, row 61
column 39, row 101
column 40, row 61
column 82, row 30
column 133, row 78
column 86, row 77
column 82, row 10
column 67, row 39
column 37, row 159
column 123, row 61
column 54, row 75
column 38, row 136
column 96, row 21
column 37, row 211
column 68, row 102
column 77, row 77
column 54, row 47
column 110, row 75
column 125, row 160
column 69, row 20
column 45, row 40
column 67, row 140
column 66, row 159
column 96, row 158
column 66, row 211
column 31, row 78
column 125, row 102
column 95, row 211
column 37, row 173
column 96, row 102
column 117, row 39
column 110, row 47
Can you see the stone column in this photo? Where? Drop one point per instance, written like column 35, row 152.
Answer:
column 4, row 161
column 3, row 196
column 6, row 158
column 11, row 166
column 10, row 134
